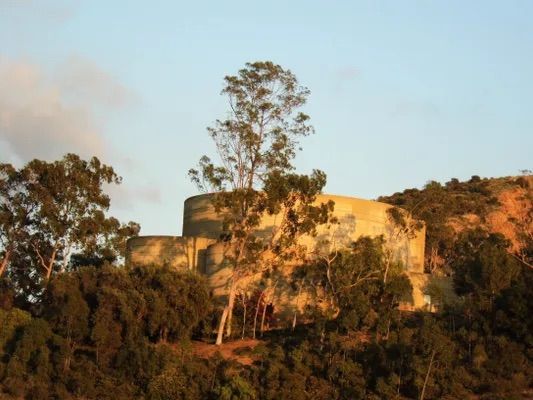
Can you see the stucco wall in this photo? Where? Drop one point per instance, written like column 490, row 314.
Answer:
column 198, row 248
column 357, row 217
column 430, row 292
column 176, row 251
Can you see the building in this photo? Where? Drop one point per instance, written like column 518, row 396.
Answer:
column 199, row 248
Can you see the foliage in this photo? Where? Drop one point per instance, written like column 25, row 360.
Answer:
column 53, row 217
column 256, row 145
column 437, row 205
column 99, row 328
column 479, row 347
column 107, row 332
column 351, row 285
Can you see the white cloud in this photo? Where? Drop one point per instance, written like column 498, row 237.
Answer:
column 348, row 73
column 125, row 196
column 43, row 116
column 42, row 10
column 46, row 115
column 86, row 83
column 343, row 77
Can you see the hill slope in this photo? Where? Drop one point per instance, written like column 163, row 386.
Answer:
column 497, row 205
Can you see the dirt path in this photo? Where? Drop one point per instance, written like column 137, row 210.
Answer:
column 228, row 350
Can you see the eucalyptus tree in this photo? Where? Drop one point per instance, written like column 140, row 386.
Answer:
column 255, row 177
column 14, row 212
column 69, row 207
column 52, row 211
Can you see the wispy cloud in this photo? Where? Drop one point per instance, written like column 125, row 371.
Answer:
column 419, row 109
column 126, row 196
column 46, row 115
column 44, row 10
column 85, row 83
column 36, row 121
column 348, row 73
column 343, row 76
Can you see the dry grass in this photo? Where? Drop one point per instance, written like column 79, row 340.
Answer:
column 237, row 350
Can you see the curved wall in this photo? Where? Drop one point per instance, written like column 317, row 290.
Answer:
column 199, row 249
column 200, row 218
column 176, row 251
column 357, row 217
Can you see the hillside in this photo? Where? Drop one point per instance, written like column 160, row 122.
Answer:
column 497, row 205
column 99, row 329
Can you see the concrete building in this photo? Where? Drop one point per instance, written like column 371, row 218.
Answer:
column 199, row 248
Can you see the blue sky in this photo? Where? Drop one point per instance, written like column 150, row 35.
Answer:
column 401, row 92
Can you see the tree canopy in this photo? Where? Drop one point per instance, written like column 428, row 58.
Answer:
column 255, row 177
column 53, row 216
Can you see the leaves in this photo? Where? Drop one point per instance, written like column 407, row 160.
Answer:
column 254, row 177
column 53, row 216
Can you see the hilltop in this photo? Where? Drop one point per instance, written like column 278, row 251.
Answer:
column 99, row 329
column 497, row 205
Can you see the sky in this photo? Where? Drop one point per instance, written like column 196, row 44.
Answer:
column 402, row 92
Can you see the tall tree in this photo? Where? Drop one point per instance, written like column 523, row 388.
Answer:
column 14, row 213
column 52, row 211
column 255, row 176
column 68, row 200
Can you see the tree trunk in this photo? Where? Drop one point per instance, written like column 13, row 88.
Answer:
column 427, row 375
column 5, row 261
column 297, row 304
column 47, row 266
column 68, row 358
column 244, row 316
column 388, row 329
column 65, row 261
column 387, row 266
column 257, row 312
column 221, row 325
column 229, row 307
column 49, row 271
column 263, row 320
column 400, row 378
column 229, row 321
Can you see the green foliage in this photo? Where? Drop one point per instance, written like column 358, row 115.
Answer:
column 255, row 175
column 31, row 365
column 436, row 205
column 236, row 388
column 358, row 285
column 173, row 383
column 100, row 319
column 11, row 321
column 96, row 337
column 53, row 218
column 104, row 332
column 483, row 267
column 175, row 303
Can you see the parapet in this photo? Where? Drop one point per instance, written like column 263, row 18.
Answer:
column 357, row 217
column 200, row 249
column 175, row 251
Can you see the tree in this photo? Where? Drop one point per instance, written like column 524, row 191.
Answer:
column 520, row 213
column 67, row 311
column 483, row 267
column 51, row 212
column 352, row 284
column 176, row 301
column 69, row 207
column 438, row 206
column 14, row 212
column 255, row 177
column 402, row 228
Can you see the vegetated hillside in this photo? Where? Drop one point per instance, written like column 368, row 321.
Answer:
column 98, row 329
column 497, row 205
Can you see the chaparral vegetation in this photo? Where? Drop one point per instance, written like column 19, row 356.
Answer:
column 76, row 322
